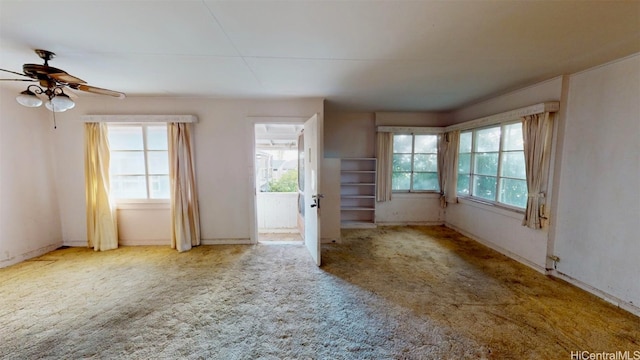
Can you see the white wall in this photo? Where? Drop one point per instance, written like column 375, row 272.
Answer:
column 597, row 236
column 143, row 224
column 549, row 90
column 223, row 155
column 411, row 209
column 29, row 214
column 412, row 119
column 498, row 228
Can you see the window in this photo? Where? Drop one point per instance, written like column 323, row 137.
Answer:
column 139, row 167
column 415, row 163
column 491, row 165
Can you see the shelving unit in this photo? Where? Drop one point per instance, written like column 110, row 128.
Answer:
column 357, row 192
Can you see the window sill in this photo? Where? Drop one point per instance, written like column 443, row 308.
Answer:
column 406, row 194
column 493, row 207
column 143, row 204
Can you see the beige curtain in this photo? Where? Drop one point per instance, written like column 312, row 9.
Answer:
column 443, row 148
column 102, row 228
column 536, row 131
column 384, row 154
column 450, row 172
column 185, row 216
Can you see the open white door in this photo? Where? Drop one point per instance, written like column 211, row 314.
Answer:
column 312, row 194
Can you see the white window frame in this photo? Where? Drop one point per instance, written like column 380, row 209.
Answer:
column 122, row 202
column 498, row 177
column 413, row 153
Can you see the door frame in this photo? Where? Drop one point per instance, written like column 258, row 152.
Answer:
column 252, row 121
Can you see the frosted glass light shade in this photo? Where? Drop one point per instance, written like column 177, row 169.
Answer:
column 51, row 107
column 62, row 102
column 28, row 99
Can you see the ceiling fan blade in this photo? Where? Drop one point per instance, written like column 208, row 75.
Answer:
column 64, row 77
column 14, row 72
column 70, row 93
column 97, row 90
column 30, row 80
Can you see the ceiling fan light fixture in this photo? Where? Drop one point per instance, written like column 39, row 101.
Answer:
column 29, row 99
column 53, row 107
column 52, row 84
column 63, row 102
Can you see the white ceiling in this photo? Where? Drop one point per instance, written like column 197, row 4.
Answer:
column 359, row 55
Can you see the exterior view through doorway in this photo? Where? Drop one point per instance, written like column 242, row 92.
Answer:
column 279, row 182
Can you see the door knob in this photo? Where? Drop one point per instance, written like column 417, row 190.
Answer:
column 316, row 200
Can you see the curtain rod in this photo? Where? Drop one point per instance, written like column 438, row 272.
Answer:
column 410, row 129
column 551, row 106
column 140, row 118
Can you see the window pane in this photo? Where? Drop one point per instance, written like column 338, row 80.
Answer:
column 486, row 164
column 158, row 162
column 129, row 187
column 157, row 137
column 401, row 162
column 465, row 142
column 488, row 140
column 159, row 186
column 125, row 137
column 463, row 185
column 464, row 164
column 513, row 137
column 513, row 165
column 484, row 187
column 402, row 143
column 127, row 163
column 513, row 192
column 425, row 163
column 425, row 181
column 426, row 144
column 400, row 181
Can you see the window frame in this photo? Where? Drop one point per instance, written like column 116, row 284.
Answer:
column 144, row 127
column 413, row 171
column 496, row 202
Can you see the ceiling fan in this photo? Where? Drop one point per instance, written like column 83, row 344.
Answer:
column 53, row 84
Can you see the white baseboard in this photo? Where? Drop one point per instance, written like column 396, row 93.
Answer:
column 279, row 231
column 29, row 255
column 75, row 243
column 226, row 242
column 409, row 223
column 624, row 305
column 151, row 242
column 330, row 241
column 499, row 249
column 83, row 243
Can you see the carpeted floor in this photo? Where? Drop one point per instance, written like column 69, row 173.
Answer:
column 387, row 293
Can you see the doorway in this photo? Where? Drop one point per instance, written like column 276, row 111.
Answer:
column 277, row 182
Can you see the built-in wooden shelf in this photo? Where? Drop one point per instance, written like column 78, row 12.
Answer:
column 357, row 192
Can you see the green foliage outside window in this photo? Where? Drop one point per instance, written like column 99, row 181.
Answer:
column 288, row 182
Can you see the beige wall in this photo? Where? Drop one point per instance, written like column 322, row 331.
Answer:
column 349, row 135
column 29, row 213
column 352, row 134
column 598, row 213
column 224, row 158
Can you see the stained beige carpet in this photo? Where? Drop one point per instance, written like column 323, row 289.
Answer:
column 389, row 293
